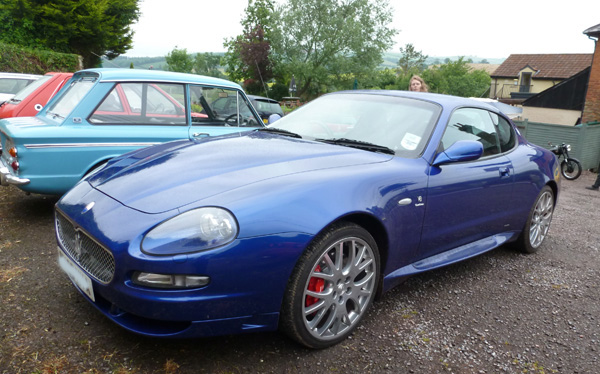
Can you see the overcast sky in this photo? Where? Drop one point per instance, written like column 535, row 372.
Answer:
column 481, row 28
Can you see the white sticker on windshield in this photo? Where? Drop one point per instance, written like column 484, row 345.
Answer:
column 410, row 141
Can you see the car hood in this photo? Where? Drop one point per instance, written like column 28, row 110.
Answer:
column 171, row 175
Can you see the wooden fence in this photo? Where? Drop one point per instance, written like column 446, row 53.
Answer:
column 584, row 139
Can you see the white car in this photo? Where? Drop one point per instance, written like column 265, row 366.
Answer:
column 11, row 83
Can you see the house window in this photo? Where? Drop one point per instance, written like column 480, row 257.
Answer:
column 525, row 82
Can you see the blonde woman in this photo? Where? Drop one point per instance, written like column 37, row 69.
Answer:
column 417, row 83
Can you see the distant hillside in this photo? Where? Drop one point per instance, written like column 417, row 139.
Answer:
column 158, row 63
column 390, row 60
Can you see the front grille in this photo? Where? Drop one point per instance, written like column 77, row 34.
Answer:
column 92, row 257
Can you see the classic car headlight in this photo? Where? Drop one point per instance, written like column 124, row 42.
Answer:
column 192, row 231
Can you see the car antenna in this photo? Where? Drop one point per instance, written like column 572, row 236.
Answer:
column 261, row 79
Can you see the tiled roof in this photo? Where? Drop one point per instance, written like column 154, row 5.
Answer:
column 548, row 66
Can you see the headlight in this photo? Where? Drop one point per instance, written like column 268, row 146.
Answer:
column 192, row 231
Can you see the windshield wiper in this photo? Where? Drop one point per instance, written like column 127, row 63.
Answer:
column 359, row 144
column 283, row 132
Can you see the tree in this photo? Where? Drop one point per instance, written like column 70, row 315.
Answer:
column 455, row 78
column 179, row 60
column 208, row 64
column 248, row 55
column 90, row 28
column 321, row 41
column 412, row 61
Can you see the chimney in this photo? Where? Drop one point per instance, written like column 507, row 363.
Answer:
column 591, row 109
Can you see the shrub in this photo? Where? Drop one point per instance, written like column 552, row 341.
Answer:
column 17, row 59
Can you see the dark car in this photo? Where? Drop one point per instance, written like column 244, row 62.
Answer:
column 265, row 107
column 299, row 226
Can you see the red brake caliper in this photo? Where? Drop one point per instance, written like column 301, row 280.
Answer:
column 315, row 285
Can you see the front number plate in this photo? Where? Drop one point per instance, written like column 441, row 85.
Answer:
column 77, row 276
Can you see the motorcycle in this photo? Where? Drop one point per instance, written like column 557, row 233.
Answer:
column 569, row 167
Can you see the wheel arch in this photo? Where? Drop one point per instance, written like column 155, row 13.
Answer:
column 554, row 186
column 379, row 233
column 96, row 165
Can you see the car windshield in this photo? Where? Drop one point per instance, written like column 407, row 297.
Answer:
column 63, row 106
column 29, row 89
column 398, row 123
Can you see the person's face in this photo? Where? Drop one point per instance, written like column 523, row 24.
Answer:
column 415, row 85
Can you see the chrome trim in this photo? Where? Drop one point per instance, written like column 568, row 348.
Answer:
column 87, row 145
column 171, row 81
column 7, row 178
column 405, row 201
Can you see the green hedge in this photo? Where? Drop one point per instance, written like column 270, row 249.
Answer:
column 16, row 59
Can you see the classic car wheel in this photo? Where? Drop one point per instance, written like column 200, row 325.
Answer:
column 538, row 222
column 332, row 287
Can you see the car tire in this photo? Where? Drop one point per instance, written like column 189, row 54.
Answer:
column 538, row 222
column 332, row 286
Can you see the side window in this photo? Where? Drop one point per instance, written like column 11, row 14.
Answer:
column 506, row 133
column 144, row 104
column 472, row 124
column 111, row 103
column 220, row 107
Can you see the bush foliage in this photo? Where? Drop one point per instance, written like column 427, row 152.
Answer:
column 15, row 59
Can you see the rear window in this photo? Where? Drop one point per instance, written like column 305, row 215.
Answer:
column 268, row 106
column 30, row 88
column 65, row 104
column 13, row 85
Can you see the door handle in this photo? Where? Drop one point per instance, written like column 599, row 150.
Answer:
column 200, row 134
column 504, row 172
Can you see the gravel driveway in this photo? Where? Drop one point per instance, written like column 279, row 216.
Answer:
column 502, row 312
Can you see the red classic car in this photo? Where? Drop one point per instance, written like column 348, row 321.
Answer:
column 31, row 99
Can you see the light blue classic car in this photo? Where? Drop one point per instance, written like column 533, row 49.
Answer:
column 103, row 113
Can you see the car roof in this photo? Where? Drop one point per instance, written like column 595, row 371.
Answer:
column 441, row 99
column 262, row 98
column 114, row 74
column 19, row 76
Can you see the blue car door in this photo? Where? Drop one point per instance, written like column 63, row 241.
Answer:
column 468, row 201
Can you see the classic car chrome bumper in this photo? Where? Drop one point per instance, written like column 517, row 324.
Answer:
column 7, row 178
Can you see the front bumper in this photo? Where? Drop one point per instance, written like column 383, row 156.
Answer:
column 248, row 276
column 6, row 178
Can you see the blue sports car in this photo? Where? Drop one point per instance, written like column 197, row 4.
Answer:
column 300, row 225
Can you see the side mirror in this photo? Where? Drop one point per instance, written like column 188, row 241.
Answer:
column 273, row 118
column 462, row 150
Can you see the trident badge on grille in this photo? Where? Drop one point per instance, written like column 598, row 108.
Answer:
column 77, row 250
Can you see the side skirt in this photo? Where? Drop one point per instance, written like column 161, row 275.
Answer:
column 447, row 258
